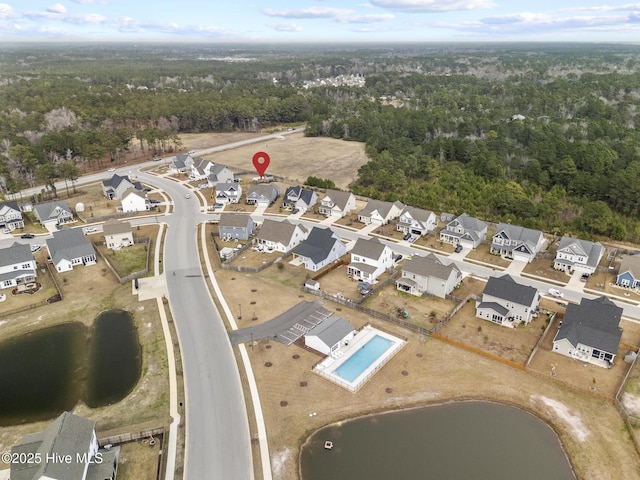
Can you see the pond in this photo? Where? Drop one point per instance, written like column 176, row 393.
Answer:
column 456, row 441
column 46, row 372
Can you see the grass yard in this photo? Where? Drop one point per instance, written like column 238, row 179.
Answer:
column 483, row 254
column 127, row 260
column 543, row 267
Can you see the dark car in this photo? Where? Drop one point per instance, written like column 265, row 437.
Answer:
column 458, row 248
column 407, row 236
column 584, row 277
column 27, row 235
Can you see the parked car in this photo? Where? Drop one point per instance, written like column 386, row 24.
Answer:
column 458, row 248
column 295, row 210
column 35, row 248
column 6, row 231
column 90, row 229
column 27, row 235
column 397, row 258
column 186, row 195
column 157, row 159
column 218, row 205
column 407, row 236
column 111, row 169
column 555, row 293
column 191, row 152
column 584, row 277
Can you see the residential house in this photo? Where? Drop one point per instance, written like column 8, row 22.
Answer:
column 228, row 192
column 370, row 258
column 590, row 332
column 506, row 302
column 10, row 216
column 378, row 212
column 416, row 221
column 262, row 194
column 321, row 247
column 517, row 243
column 181, row 164
column 301, row 198
column 117, row 234
column 53, row 213
column 428, row 275
column 328, row 336
column 17, row 266
column 235, row 226
column 219, row 174
column 576, row 254
column 336, row 203
column 67, row 437
column 135, row 201
column 464, row 230
column 629, row 272
column 69, row 248
column 116, row 186
column 280, row 236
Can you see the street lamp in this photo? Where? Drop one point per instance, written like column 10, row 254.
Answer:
column 240, row 309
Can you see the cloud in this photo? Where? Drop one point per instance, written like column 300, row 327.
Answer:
column 285, row 27
column 311, row 12
column 429, row 6
column 375, row 18
column 57, row 8
column 87, row 2
column 6, row 11
column 605, row 8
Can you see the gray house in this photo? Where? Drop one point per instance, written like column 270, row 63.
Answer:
column 116, row 186
column 180, row 164
column 328, row 336
column 579, row 255
column 300, row 198
column 10, row 216
column 69, row 248
column 428, row 275
column 280, row 236
column 320, row 248
column 219, row 174
column 590, row 332
column 262, row 194
column 416, row 221
column 68, row 435
column 235, row 226
column 17, row 265
column 53, row 213
column 507, row 303
column 517, row 243
column 378, row 212
column 464, row 230
column 337, row 203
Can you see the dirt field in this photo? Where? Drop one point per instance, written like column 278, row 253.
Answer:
column 543, row 267
column 482, row 254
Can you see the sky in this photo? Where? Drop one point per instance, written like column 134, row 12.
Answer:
column 319, row 21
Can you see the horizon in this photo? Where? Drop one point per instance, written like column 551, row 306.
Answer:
column 320, row 22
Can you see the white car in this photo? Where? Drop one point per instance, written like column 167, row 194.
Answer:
column 186, row 195
column 111, row 170
column 35, row 248
column 90, row 229
column 555, row 293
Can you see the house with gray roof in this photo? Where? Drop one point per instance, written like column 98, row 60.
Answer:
column 262, row 194
column 69, row 248
column 416, row 221
column 117, row 234
column 513, row 242
column 301, row 198
column 68, row 436
column 10, row 216
column 17, row 266
column 370, row 258
column 336, row 203
column 217, row 173
column 328, row 336
column 321, row 247
column 180, row 164
column 378, row 212
column 629, row 272
column 228, row 192
column 280, row 236
column 53, row 213
column 579, row 255
column 116, row 186
column 590, row 332
column 507, row 303
column 427, row 274
column 467, row 231
column 235, row 226
column 134, row 200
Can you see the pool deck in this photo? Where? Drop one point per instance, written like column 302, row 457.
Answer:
column 327, row 367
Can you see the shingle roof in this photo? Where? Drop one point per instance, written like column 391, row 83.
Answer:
column 338, row 197
column 278, row 232
column 69, row 244
column 418, row 214
column 429, row 266
column 269, row 191
column 332, row 330
column 113, row 227
column 470, row 223
column 383, row 208
column 631, row 263
column 518, row 233
column 318, row 244
column 593, row 323
column 368, row 248
column 5, row 207
column 234, row 220
column 507, row 289
column 116, row 180
column 16, row 253
column 49, row 210
column 496, row 307
column 593, row 251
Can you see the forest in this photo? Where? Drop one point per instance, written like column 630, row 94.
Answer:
column 541, row 135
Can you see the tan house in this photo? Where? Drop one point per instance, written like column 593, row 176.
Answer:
column 117, row 234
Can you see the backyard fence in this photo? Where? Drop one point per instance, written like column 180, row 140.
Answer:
column 139, row 274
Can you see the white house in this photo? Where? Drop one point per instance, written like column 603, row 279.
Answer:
column 53, row 213
column 217, row 173
column 262, row 194
column 135, row 201
column 507, row 303
column 117, row 185
column 428, row 275
column 69, row 248
column 321, row 247
column 590, row 332
column 117, row 234
column 301, row 198
column 416, row 221
column 378, row 212
column 464, row 230
column 517, row 243
column 280, row 236
column 328, row 336
column 336, row 203
column 370, row 258
column 17, row 266
column 228, row 192
column 10, row 216
column 579, row 255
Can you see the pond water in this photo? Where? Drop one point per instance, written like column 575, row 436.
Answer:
column 46, row 372
column 456, row 441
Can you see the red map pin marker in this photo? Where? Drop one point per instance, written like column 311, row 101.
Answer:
column 261, row 161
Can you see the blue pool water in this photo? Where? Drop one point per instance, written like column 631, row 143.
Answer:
column 359, row 361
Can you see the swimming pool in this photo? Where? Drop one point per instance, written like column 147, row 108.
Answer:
column 363, row 358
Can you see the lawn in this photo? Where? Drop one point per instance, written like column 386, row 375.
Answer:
column 543, row 267
column 483, row 254
column 127, row 260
